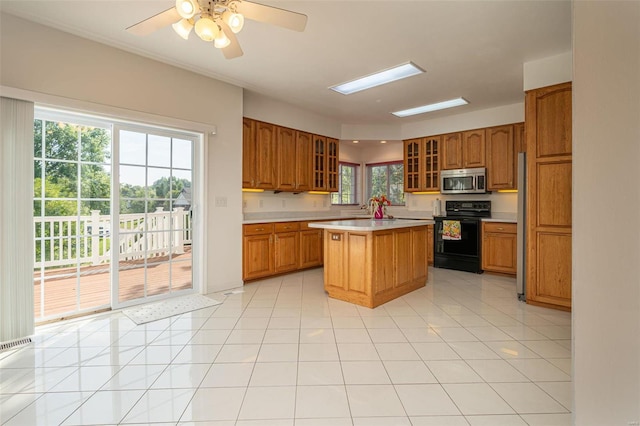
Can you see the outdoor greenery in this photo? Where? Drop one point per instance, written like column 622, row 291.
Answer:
column 387, row 179
column 347, row 193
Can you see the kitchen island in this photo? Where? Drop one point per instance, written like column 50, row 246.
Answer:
column 370, row 262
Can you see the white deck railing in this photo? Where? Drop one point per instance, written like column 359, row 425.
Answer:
column 69, row 240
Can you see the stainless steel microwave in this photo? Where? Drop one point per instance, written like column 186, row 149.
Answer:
column 463, row 181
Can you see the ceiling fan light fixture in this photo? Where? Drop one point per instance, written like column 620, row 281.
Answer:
column 221, row 40
column 187, row 8
column 183, row 28
column 235, row 21
column 206, row 29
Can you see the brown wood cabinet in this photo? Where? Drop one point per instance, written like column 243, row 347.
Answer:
column 370, row 268
column 311, row 243
column 549, row 159
column 266, row 144
column 275, row 248
column 319, row 163
column 421, row 164
column 294, row 160
column 286, row 246
column 452, row 151
column 248, row 153
column 303, row 161
column 430, row 247
column 463, row 150
column 473, row 148
column 259, row 154
column 257, row 251
column 333, row 150
column 501, row 158
column 284, row 159
column 499, row 247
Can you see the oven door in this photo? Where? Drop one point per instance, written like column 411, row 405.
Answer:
column 467, row 245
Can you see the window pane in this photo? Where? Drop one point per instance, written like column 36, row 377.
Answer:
column 95, row 181
column 61, row 141
column 133, row 147
column 61, row 179
column 347, row 188
column 95, row 144
column 386, row 179
column 182, row 154
column 159, row 151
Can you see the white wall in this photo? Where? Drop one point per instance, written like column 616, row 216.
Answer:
column 44, row 61
column 262, row 108
column 506, row 114
column 606, row 242
column 548, row 71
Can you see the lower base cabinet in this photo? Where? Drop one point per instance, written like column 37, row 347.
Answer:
column 276, row 248
column 430, row 247
column 370, row 268
column 499, row 247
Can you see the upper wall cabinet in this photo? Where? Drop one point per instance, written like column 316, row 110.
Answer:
column 284, row 159
column 501, row 158
column 463, row 150
column 452, row 151
column 258, row 154
column 473, row 149
column 421, row 164
column 326, row 154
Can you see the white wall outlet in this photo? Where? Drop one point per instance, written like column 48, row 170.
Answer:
column 221, row 201
column 244, row 204
column 261, row 204
column 284, row 203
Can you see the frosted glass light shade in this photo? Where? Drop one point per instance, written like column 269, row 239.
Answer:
column 187, row 8
column 235, row 21
column 183, row 28
column 206, row 29
column 221, row 40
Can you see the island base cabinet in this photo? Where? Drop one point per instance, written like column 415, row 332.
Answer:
column 372, row 268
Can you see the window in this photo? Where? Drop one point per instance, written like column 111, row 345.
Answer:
column 347, row 185
column 387, row 179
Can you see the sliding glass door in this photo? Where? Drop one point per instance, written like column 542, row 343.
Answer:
column 113, row 210
column 72, row 216
column 155, row 177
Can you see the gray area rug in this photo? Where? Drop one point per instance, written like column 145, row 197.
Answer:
column 167, row 308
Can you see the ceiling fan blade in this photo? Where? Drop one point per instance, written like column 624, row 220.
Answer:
column 233, row 50
column 272, row 15
column 154, row 23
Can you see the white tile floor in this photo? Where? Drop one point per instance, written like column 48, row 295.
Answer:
column 461, row 351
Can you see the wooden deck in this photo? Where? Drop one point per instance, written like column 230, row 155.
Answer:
column 94, row 281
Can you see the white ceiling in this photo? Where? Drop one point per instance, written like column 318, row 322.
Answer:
column 473, row 49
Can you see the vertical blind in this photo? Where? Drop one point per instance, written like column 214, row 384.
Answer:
column 16, row 219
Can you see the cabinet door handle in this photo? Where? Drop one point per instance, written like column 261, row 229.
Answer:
column 500, row 229
column 259, row 229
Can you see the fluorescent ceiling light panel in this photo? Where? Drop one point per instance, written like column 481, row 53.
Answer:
column 383, row 77
column 431, row 107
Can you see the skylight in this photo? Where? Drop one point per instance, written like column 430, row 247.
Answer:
column 382, row 77
column 431, row 107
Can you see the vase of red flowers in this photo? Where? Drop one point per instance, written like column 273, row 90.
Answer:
column 377, row 206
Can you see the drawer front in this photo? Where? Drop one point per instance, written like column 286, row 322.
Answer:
column 500, row 227
column 258, row 229
column 304, row 226
column 287, row 226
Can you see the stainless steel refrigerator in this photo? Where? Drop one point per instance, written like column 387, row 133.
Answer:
column 521, row 275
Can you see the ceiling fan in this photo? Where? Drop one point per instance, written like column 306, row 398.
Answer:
column 218, row 21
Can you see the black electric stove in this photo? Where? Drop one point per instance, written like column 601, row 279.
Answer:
column 457, row 237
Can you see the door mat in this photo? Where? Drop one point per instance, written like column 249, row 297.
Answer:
column 168, row 308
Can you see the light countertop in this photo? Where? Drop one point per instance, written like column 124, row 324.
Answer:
column 369, row 224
